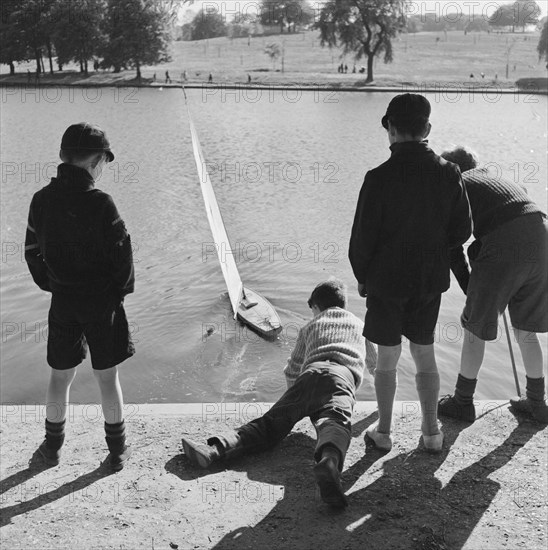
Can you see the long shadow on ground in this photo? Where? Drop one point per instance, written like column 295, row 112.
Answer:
column 403, row 506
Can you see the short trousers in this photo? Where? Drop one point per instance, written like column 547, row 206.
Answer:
column 387, row 319
column 510, row 270
column 78, row 321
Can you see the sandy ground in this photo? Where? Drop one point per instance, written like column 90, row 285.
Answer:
column 486, row 490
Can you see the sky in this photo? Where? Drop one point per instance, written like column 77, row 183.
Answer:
column 417, row 7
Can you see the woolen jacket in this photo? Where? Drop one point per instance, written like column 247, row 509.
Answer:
column 76, row 242
column 411, row 211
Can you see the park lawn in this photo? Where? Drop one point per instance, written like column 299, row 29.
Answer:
column 426, row 58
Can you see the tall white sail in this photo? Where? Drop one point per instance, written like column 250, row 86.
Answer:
column 220, row 237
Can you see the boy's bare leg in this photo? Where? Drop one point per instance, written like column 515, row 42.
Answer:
column 473, row 350
column 427, row 382
column 112, row 400
column 385, row 384
column 57, row 395
column 531, row 352
column 113, row 404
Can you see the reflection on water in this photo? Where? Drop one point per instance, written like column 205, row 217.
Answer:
column 287, row 168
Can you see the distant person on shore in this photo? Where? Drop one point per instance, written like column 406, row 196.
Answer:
column 509, row 261
column 154, row 77
column 168, row 79
column 210, row 78
column 249, row 79
column 77, row 248
column 411, row 210
column 324, row 371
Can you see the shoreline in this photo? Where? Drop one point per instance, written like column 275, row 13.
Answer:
column 487, row 489
column 446, row 87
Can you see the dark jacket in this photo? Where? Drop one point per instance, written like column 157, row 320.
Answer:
column 411, row 211
column 76, row 241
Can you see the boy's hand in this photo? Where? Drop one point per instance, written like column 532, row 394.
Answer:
column 361, row 290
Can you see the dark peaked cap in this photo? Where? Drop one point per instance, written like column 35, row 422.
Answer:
column 406, row 107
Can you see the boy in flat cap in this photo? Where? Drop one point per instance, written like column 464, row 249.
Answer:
column 509, row 260
column 323, row 373
column 77, row 248
column 411, row 211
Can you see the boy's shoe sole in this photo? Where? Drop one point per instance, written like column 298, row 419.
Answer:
column 327, row 478
column 527, row 406
column 447, row 406
column 51, row 458
column 382, row 441
column 200, row 455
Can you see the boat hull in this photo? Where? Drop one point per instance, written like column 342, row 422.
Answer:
column 259, row 314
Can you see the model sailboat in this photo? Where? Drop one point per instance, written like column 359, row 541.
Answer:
column 250, row 307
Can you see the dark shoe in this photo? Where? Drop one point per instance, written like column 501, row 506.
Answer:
column 537, row 409
column 328, row 480
column 447, row 406
column 200, row 455
column 117, row 459
column 51, row 456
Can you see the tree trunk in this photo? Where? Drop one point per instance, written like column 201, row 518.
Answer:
column 138, row 67
column 42, row 61
column 81, row 66
column 370, row 59
column 37, row 57
column 50, row 56
column 12, row 67
column 86, row 67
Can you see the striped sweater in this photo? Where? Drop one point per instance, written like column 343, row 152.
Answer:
column 333, row 335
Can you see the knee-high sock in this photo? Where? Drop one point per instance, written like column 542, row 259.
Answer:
column 464, row 390
column 535, row 388
column 428, row 388
column 385, row 388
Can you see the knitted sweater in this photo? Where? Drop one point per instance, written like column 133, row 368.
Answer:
column 333, row 335
column 494, row 200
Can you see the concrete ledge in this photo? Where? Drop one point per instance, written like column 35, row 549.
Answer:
column 487, row 489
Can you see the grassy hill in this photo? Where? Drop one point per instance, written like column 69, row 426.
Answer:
column 421, row 58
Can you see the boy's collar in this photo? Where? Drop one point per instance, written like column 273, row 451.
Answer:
column 78, row 178
column 409, row 146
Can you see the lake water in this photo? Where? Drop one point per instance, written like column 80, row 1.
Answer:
column 287, row 168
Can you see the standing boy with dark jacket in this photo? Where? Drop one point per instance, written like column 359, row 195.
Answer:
column 411, row 211
column 77, row 248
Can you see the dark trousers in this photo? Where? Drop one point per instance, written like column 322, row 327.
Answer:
column 325, row 392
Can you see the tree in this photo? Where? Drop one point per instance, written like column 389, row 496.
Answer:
column 207, row 25
column 364, row 28
column 273, row 51
column 542, row 47
column 286, row 13
column 32, row 27
column 12, row 47
column 519, row 14
column 77, row 33
column 136, row 33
